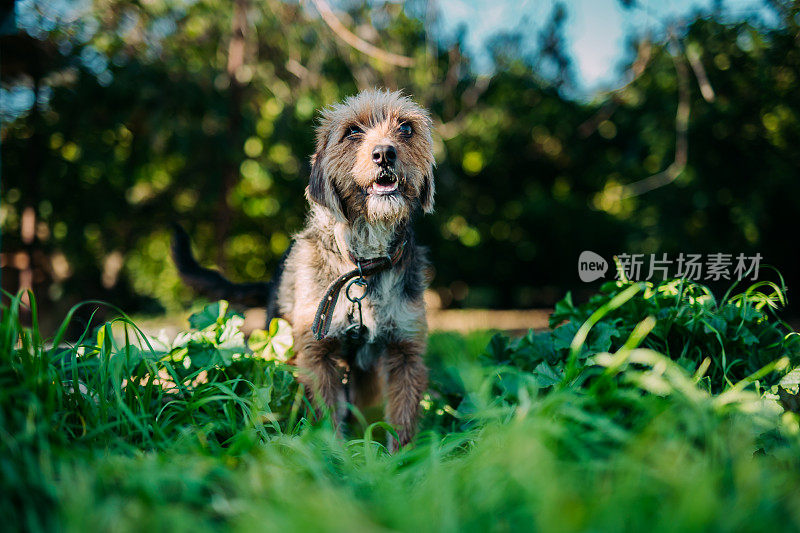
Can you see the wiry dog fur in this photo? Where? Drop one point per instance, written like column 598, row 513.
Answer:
column 372, row 169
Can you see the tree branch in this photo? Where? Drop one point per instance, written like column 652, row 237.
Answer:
column 356, row 42
column 678, row 165
column 452, row 128
column 700, row 73
column 643, row 54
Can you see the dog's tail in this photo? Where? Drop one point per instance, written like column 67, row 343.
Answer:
column 211, row 283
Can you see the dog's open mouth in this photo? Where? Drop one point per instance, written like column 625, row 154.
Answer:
column 385, row 184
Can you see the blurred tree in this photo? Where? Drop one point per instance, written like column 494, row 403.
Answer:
column 203, row 112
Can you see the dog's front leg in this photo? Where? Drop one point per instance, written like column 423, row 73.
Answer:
column 407, row 379
column 321, row 374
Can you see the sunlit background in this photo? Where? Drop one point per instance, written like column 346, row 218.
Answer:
column 613, row 126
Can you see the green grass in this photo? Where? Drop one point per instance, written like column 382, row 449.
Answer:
column 648, row 408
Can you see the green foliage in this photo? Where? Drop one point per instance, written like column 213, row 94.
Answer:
column 718, row 343
column 725, row 341
column 576, row 428
column 119, row 390
column 522, row 186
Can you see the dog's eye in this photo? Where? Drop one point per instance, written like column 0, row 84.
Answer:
column 351, row 132
column 405, row 129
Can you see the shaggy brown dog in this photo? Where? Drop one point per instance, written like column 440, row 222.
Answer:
column 373, row 168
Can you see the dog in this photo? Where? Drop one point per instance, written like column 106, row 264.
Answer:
column 351, row 284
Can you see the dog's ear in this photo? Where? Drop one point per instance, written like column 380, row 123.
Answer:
column 320, row 190
column 426, row 191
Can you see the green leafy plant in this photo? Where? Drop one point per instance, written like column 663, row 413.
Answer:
column 553, row 431
column 723, row 340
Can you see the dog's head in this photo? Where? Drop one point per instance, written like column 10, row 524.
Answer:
column 374, row 158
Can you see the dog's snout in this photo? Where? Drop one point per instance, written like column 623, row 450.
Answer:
column 384, row 154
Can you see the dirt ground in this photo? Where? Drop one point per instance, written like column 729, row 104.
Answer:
column 459, row 320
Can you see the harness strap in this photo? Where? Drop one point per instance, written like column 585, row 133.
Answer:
column 364, row 267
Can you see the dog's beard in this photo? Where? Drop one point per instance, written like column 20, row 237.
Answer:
column 385, row 203
column 386, row 208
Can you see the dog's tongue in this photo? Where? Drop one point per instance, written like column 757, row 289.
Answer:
column 383, row 188
column 385, row 184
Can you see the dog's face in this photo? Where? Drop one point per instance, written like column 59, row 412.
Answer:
column 374, row 159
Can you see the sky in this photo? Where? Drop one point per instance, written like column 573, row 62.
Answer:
column 596, row 30
column 596, row 33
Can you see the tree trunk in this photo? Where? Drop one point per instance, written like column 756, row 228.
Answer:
column 236, row 50
column 30, row 197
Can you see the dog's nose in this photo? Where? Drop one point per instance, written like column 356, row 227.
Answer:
column 384, row 154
